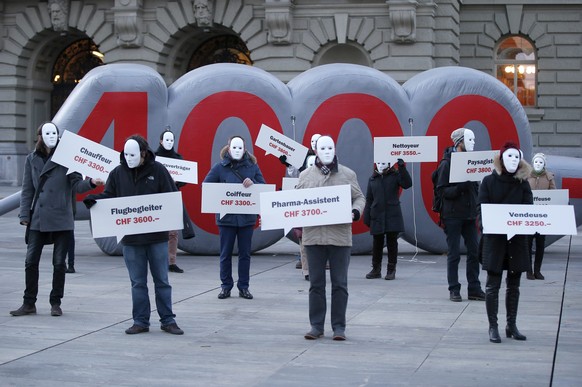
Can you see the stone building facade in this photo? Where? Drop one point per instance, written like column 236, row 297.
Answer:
column 287, row 37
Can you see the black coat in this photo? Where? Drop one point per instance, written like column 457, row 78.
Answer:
column 382, row 212
column 497, row 253
column 171, row 154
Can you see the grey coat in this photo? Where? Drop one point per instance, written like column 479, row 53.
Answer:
column 54, row 207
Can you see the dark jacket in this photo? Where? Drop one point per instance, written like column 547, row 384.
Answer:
column 171, row 154
column 382, row 212
column 459, row 199
column 497, row 252
column 54, row 207
column 226, row 171
column 149, row 178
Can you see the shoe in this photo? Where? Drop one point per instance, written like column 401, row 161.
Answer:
column 512, row 331
column 135, row 329
column 172, row 329
column 307, row 277
column 313, row 335
column 70, row 269
column 539, row 276
column 480, row 296
column 530, row 276
column 494, row 334
column 24, row 310
column 224, row 293
column 455, row 296
column 298, row 265
column 56, row 310
column 390, row 275
column 339, row 336
column 374, row 274
column 174, row 268
column 244, row 293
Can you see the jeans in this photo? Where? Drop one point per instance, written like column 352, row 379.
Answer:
column 172, row 246
column 339, row 261
column 136, row 260
column 454, row 229
column 244, row 236
column 71, row 250
column 378, row 249
column 36, row 241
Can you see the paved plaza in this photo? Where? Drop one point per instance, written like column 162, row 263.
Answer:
column 400, row 333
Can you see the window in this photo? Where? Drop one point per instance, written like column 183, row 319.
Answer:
column 516, row 67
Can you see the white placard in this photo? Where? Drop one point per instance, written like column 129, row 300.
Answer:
column 409, row 149
column 278, row 144
column 471, row 166
column 289, row 183
column 139, row 214
column 306, row 207
column 225, row 198
column 181, row 170
column 551, row 196
column 85, row 156
column 523, row 219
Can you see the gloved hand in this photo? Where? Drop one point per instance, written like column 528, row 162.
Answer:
column 283, row 160
column 401, row 163
column 89, row 202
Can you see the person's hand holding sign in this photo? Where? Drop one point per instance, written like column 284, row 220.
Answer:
column 247, row 182
column 97, row 182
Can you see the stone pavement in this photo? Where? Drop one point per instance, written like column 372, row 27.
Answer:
column 402, row 332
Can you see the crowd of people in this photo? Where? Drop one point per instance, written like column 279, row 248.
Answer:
column 322, row 247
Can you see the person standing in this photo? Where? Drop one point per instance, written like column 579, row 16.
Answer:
column 166, row 149
column 329, row 243
column 46, row 209
column 139, row 174
column 383, row 214
column 459, row 214
column 507, row 184
column 540, row 178
column 237, row 166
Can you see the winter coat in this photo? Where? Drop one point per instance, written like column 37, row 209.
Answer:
column 544, row 180
column 54, row 208
column 498, row 253
column 226, row 171
column 334, row 234
column 149, row 178
column 382, row 212
column 171, row 154
column 459, row 199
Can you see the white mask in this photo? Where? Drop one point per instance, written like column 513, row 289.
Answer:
column 314, row 140
column 511, row 159
column 538, row 164
column 310, row 161
column 325, row 150
column 50, row 135
column 168, row 141
column 382, row 166
column 236, row 148
column 469, row 140
column 132, row 154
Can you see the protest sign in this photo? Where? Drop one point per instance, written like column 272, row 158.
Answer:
column 225, row 198
column 471, row 166
column 551, row 196
column 289, row 183
column 409, row 149
column 181, row 170
column 278, row 144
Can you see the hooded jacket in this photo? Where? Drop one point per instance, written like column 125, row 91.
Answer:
column 382, row 212
column 151, row 177
column 233, row 171
column 543, row 180
column 500, row 187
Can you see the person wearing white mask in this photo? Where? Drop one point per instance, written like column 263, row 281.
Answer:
column 329, row 243
column 383, row 214
column 540, row 178
column 46, row 208
column 507, row 184
column 237, row 166
column 458, row 214
column 139, row 174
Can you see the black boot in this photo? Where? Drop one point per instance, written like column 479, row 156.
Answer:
column 374, row 273
column 377, row 249
column 511, row 304
column 492, row 305
column 392, row 246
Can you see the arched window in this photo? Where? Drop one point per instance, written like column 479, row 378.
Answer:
column 516, row 67
column 221, row 49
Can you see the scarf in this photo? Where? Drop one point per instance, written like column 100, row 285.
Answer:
column 326, row 169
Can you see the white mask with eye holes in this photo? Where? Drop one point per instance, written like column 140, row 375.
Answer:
column 50, row 135
column 236, row 148
column 511, row 158
column 469, row 140
column 314, row 140
column 132, row 154
column 325, row 149
column 168, row 140
column 538, row 164
column 381, row 167
column 310, row 161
